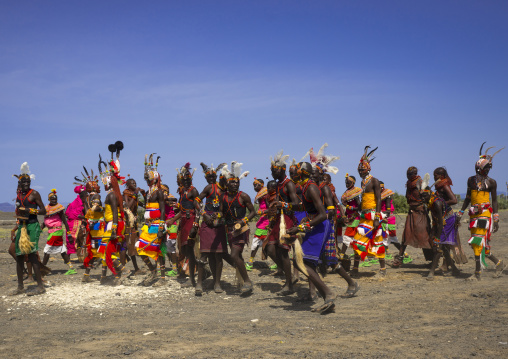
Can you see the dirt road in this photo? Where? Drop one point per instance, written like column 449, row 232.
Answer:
column 404, row 316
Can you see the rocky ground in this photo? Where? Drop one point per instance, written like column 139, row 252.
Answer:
column 402, row 316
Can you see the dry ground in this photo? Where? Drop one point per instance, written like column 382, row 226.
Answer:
column 404, row 316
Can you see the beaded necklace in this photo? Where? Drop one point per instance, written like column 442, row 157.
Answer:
column 366, row 181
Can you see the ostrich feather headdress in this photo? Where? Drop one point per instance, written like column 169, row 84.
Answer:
column 319, row 160
column 185, row 171
column 235, row 172
column 279, row 161
column 211, row 169
column 24, row 172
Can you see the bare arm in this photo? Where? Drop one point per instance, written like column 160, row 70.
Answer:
column 437, row 211
column 248, row 203
column 64, row 220
column 37, row 199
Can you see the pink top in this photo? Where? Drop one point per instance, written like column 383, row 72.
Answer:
column 391, row 219
column 74, row 209
column 53, row 222
column 169, row 212
column 263, row 220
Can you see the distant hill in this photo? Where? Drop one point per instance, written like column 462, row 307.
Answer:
column 6, row 207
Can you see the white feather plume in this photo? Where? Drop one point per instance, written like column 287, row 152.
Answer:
column 426, row 181
column 322, row 150
column 25, row 170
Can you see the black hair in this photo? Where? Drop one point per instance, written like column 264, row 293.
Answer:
column 271, row 183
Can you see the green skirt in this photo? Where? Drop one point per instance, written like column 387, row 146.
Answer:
column 34, row 231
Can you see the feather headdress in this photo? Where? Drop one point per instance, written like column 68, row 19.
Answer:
column 235, row 172
column 151, row 171
column 485, row 159
column 24, row 172
column 185, row 171
column 211, row 169
column 279, row 161
column 111, row 169
column 366, row 158
column 319, row 160
column 110, row 175
column 88, row 177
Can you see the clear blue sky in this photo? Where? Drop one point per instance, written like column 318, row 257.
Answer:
column 217, row 81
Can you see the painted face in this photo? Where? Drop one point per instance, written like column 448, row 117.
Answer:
column 233, row 185
column 92, row 187
column 363, row 172
column 278, row 173
column 24, row 184
column 148, row 179
column 211, row 177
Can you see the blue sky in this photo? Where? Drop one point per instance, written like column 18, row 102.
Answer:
column 218, row 81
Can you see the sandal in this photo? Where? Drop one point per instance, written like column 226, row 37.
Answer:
column 71, row 271
column 327, row 306
column 246, row 290
column 500, row 267
column 350, row 293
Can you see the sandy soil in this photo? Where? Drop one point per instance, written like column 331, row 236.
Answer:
column 403, row 316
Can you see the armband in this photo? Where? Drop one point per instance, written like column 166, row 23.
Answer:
column 377, row 215
column 495, row 216
column 330, row 207
column 198, row 200
column 114, row 226
column 33, row 211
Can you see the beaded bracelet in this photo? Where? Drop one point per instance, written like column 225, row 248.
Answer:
column 114, row 226
column 496, row 217
column 195, row 224
column 330, row 207
column 33, row 211
column 245, row 220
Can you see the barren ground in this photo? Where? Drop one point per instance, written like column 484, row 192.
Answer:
column 404, row 316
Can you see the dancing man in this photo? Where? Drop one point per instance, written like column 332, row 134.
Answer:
column 149, row 242
column 234, row 206
column 483, row 213
column 28, row 206
column 212, row 233
column 369, row 236
column 113, row 215
column 286, row 197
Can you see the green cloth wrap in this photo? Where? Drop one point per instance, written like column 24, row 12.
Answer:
column 34, row 231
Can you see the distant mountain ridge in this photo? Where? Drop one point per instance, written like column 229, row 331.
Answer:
column 7, row 207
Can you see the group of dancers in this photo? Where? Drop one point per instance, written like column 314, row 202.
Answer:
column 299, row 217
